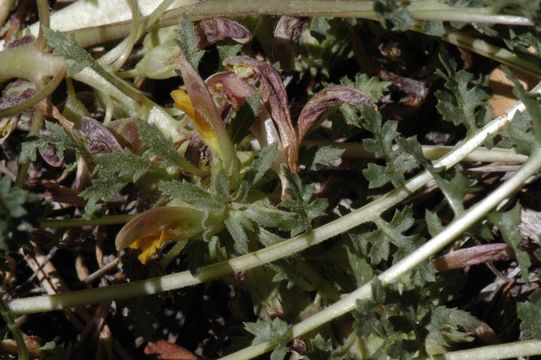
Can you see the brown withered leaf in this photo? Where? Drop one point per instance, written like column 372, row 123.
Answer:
column 324, row 100
column 416, row 90
column 231, row 86
column 472, row 256
column 100, row 139
column 287, row 31
column 128, row 133
column 274, row 97
column 210, row 31
column 164, row 350
column 53, row 192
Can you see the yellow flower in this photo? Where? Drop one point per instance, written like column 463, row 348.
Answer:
column 148, row 231
column 198, row 104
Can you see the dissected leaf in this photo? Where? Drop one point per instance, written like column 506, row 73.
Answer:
column 187, row 41
column 397, row 161
column 507, row 223
column 529, row 313
column 275, row 331
column 392, row 15
column 372, row 87
column 464, row 100
column 258, row 168
column 191, row 194
column 157, row 144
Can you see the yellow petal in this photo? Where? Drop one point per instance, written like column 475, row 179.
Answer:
column 183, row 102
column 150, row 230
column 149, row 245
column 197, row 117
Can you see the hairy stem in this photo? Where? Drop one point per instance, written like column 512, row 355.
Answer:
column 106, row 220
column 269, row 254
column 431, row 152
column 501, row 351
column 419, row 10
column 404, row 266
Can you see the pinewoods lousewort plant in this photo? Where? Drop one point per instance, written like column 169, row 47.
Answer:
column 304, row 179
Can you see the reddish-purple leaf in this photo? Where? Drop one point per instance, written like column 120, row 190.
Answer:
column 210, row 31
column 287, row 31
column 100, row 139
column 274, row 97
column 324, row 100
column 231, row 86
column 128, row 131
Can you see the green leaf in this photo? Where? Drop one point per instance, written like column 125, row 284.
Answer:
column 448, row 326
column 302, row 205
column 19, row 212
column 373, row 87
column 360, row 267
column 275, row 331
column 529, row 313
column 325, row 155
column 55, row 136
column 235, row 223
column 433, row 28
column 257, row 170
column 507, row 223
column 69, row 49
column 125, row 166
column 187, row 41
column 520, row 131
column 397, row 161
column 464, row 100
column 392, row 15
column 390, row 233
column 191, row 194
column 101, row 189
column 530, row 101
column 157, row 144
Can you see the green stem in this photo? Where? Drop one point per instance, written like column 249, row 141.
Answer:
column 404, row 266
column 196, row 10
column 431, row 152
column 106, row 220
column 269, row 254
column 17, row 335
column 44, row 22
column 501, row 55
column 501, row 351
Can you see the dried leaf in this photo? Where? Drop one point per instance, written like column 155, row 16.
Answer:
column 164, row 350
column 274, row 96
column 472, row 256
column 287, row 31
column 100, row 139
column 210, row 31
column 325, row 99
